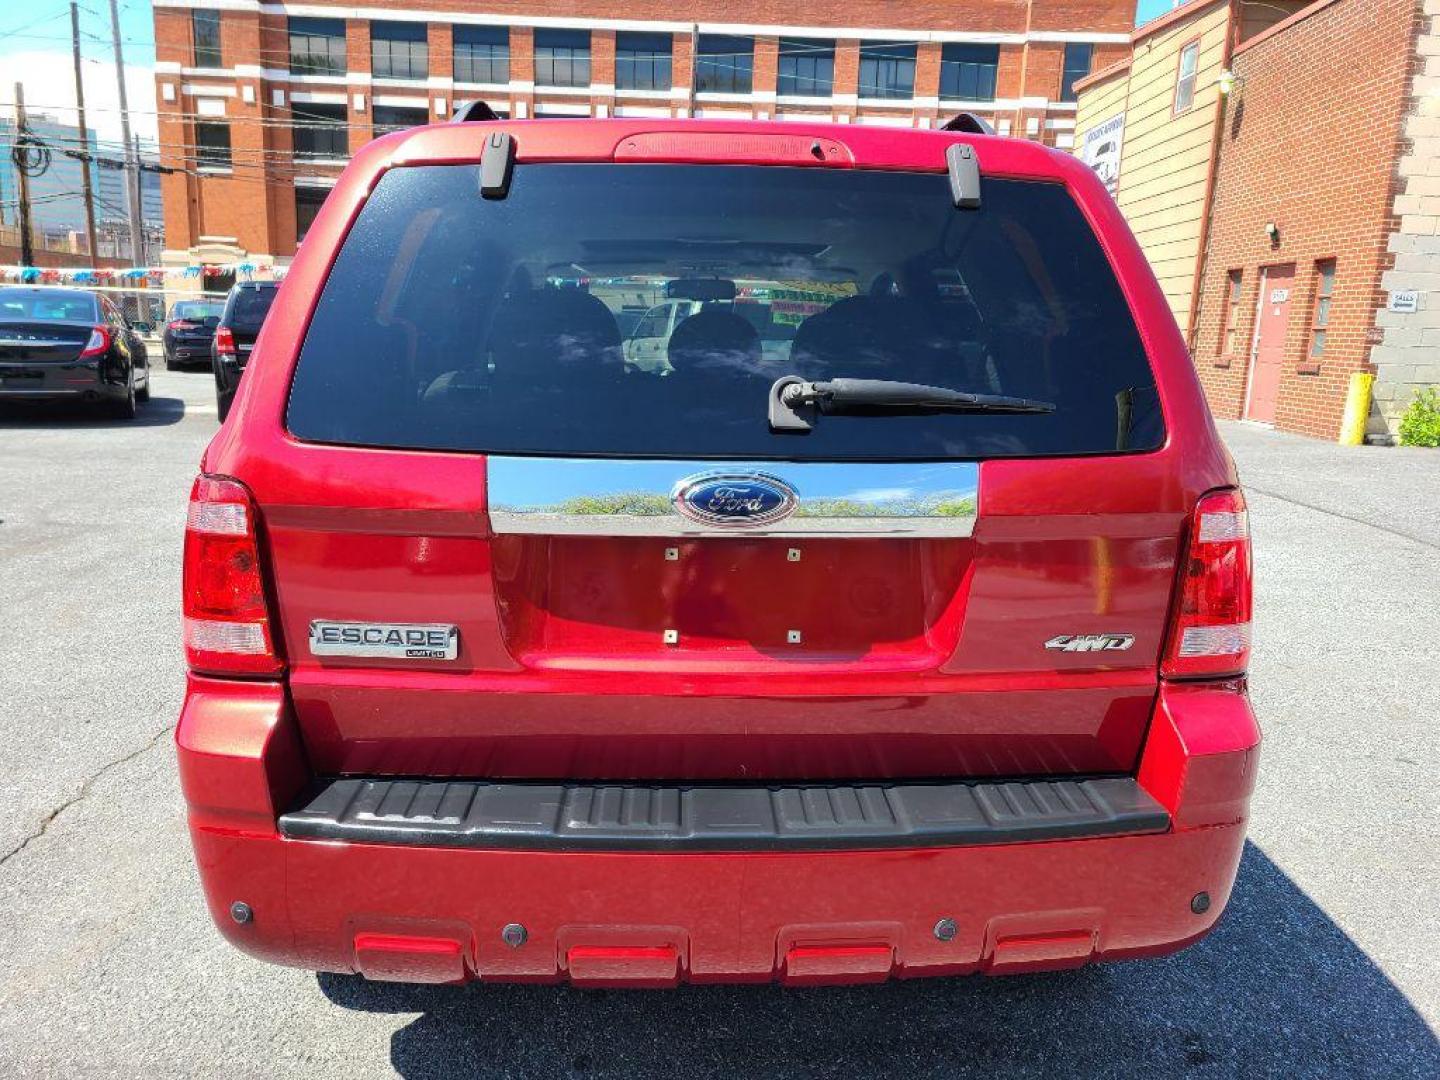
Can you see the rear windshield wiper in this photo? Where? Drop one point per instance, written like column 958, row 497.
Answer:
column 794, row 402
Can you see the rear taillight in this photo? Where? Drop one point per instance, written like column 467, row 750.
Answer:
column 179, row 324
column 1210, row 635
column 224, row 341
column 227, row 624
column 98, row 343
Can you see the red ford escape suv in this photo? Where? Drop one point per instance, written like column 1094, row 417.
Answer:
column 894, row 622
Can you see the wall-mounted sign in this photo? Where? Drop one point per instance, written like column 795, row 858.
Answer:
column 1279, row 296
column 1101, row 150
column 1404, row 301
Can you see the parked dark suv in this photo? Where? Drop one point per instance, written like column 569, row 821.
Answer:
column 189, row 331
column 240, row 322
column 896, row 624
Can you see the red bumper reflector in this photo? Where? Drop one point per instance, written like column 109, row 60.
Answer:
column 1048, row 952
column 631, row 965
column 837, row 964
column 400, row 958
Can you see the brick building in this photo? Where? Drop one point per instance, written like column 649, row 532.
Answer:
column 1149, row 124
column 1324, row 217
column 261, row 103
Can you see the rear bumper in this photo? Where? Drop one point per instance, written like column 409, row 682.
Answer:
column 188, row 352
column 655, row 918
column 77, row 380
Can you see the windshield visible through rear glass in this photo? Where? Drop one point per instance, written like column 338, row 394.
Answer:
column 646, row 310
column 40, row 305
column 196, row 310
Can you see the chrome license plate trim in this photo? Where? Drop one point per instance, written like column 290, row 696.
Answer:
column 635, row 497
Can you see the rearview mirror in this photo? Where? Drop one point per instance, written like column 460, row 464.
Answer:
column 704, row 289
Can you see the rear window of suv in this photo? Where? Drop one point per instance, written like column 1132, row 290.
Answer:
column 451, row 322
column 249, row 307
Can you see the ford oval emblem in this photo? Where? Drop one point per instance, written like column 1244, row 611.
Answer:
column 735, row 500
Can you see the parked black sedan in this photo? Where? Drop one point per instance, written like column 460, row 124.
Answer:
column 245, row 310
column 60, row 344
column 190, row 331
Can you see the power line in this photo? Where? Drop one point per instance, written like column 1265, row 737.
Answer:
column 16, row 32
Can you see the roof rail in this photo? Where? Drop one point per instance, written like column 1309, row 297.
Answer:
column 467, row 111
column 968, row 121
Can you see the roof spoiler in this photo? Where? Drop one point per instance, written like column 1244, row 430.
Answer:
column 970, row 123
column 469, row 111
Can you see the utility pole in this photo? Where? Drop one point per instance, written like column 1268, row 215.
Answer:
column 84, row 136
column 27, row 247
column 132, row 160
column 139, row 203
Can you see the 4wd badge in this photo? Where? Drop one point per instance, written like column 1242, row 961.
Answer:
column 1090, row 642
column 396, row 641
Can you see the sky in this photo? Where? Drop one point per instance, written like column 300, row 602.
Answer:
column 1148, row 9
column 35, row 49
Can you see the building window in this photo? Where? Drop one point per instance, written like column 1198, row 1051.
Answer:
column 725, row 64
column 317, row 46
column 308, row 201
column 967, row 72
column 319, row 131
column 1324, row 290
column 399, row 51
column 642, row 61
column 388, row 118
column 1078, row 57
column 887, row 70
column 212, row 145
column 1185, row 77
column 205, row 30
column 482, row 54
column 562, row 57
column 1233, row 281
column 807, row 67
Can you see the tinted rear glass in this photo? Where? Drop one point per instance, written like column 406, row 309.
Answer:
column 248, row 309
column 452, row 322
column 44, row 305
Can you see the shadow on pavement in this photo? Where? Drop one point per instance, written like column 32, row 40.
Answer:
column 1277, row 989
column 36, row 416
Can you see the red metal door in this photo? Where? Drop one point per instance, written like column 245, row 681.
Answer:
column 1268, row 355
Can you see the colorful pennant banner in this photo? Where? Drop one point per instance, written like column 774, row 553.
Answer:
column 138, row 275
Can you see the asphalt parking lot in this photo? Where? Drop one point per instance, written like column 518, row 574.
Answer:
column 1326, row 964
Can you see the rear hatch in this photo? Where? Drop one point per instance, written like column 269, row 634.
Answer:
column 39, row 343
column 246, row 314
column 519, row 557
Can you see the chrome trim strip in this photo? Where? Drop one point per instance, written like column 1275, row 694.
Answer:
column 624, row 497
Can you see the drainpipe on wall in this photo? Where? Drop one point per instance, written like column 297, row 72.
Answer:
column 1232, row 31
column 694, row 68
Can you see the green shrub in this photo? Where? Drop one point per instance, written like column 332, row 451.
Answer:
column 1420, row 426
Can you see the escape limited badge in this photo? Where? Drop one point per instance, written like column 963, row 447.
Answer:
column 397, row 641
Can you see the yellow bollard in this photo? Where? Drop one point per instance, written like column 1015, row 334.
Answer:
column 1357, row 408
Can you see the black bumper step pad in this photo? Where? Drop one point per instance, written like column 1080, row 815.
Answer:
column 686, row 817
